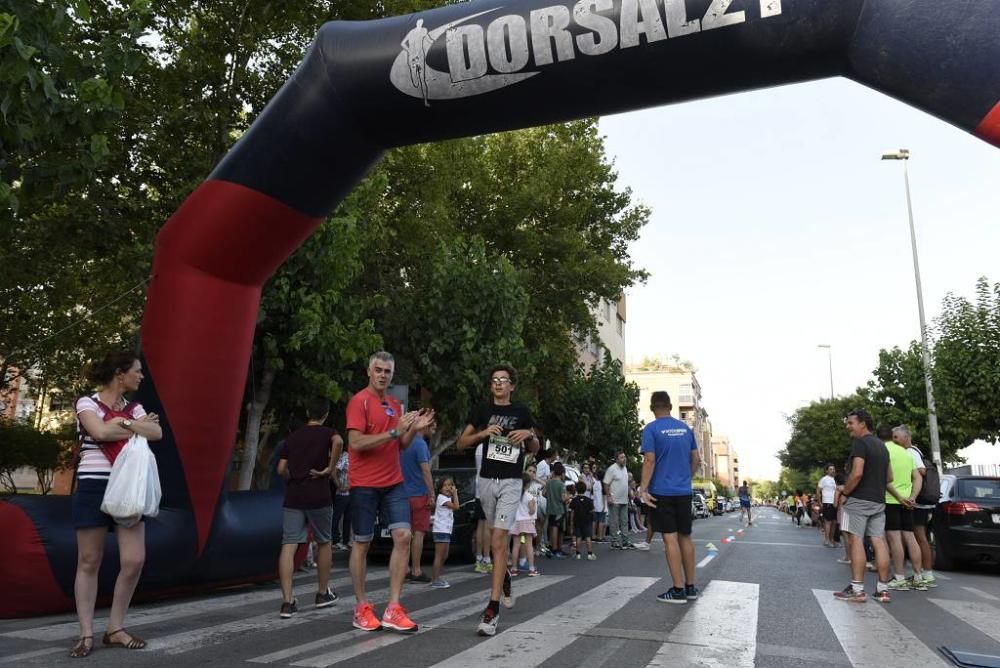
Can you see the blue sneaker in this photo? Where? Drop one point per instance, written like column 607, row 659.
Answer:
column 673, row 595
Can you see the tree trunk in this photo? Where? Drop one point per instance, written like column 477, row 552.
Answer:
column 254, row 417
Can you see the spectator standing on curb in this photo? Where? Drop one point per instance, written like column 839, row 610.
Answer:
column 446, row 502
column 306, row 463
column 341, row 536
column 926, row 498
column 600, row 507
column 616, row 483
column 416, row 464
column 669, row 459
column 826, row 491
column 376, row 432
column 899, row 515
column 556, row 497
column 864, row 507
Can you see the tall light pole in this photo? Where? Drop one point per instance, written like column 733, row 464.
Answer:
column 904, row 156
column 829, row 357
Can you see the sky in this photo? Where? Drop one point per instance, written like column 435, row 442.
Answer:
column 776, row 227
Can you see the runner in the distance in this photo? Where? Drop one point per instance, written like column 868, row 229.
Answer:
column 506, row 431
column 744, row 494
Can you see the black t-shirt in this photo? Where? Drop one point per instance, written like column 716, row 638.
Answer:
column 583, row 510
column 501, row 458
column 306, row 449
column 874, row 478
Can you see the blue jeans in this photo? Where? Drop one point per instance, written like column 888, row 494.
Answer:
column 341, row 510
column 390, row 504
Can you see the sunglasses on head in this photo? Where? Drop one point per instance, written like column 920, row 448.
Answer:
column 388, row 409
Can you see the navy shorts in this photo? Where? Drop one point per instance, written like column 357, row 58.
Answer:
column 86, row 505
column 390, row 504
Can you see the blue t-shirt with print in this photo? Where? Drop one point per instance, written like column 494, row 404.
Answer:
column 410, row 460
column 672, row 442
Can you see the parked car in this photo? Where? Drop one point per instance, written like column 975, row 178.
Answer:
column 698, row 506
column 966, row 524
column 463, row 535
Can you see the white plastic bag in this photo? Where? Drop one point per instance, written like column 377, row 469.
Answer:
column 134, row 486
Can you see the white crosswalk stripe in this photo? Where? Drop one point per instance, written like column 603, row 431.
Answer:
column 427, row 619
column 140, row 616
column 980, row 615
column 187, row 641
column 871, row 636
column 718, row 630
column 534, row 641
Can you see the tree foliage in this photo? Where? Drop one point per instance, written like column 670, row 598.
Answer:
column 24, row 446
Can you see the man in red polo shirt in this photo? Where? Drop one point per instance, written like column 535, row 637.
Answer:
column 376, row 432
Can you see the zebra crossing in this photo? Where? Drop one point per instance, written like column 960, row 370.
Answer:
column 555, row 616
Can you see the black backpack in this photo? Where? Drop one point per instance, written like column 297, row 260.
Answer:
column 930, row 491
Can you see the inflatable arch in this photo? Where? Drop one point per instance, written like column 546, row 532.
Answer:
column 460, row 70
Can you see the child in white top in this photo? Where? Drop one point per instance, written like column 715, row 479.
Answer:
column 524, row 530
column 445, row 505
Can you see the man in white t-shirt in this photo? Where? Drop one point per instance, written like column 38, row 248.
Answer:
column 826, row 491
column 600, row 509
column 544, row 466
column 616, row 482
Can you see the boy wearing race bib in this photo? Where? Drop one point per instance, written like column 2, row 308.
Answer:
column 505, row 430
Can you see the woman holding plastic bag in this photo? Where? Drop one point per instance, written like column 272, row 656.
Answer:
column 106, row 420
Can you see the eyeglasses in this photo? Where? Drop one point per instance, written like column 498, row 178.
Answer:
column 499, row 381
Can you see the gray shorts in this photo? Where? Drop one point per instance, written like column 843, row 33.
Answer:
column 295, row 520
column 862, row 518
column 500, row 499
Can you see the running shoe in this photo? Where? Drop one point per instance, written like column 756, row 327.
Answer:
column 488, row 627
column 395, row 618
column 440, row 584
column 915, row 583
column 423, row 577
column 843, row 561
column 899, row 584
column 559, row 554
column 691, row 592
column 325, row 599
column 365, row 619
column 848, row 594
column 533, row 573
column 289, row 609
column 591, row 557
column 489, row 566
column 674, row 595
column 507, row 596
column 481, row 567
column 883, row 596
column 578, row 556
column 929, row 581
column 642, row 545
column 615, row 546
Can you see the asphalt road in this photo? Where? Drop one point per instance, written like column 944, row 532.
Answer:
column 766, row 601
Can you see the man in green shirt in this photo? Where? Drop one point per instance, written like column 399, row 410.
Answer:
column 555, row 493
column 899, row 514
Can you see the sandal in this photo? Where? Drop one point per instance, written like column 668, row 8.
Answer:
column 82, row 648
column 134, row 642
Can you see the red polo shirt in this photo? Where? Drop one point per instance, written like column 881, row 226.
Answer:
column 369, row 414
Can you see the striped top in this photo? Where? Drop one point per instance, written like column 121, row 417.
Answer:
column 93, row 464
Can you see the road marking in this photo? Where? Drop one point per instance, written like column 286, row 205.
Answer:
column 179, row 643
column 139, row 616
column 871, row 636
column 704, row 562
column 942, row 577
column 31, row 655
column 977, row 614
column 427, row 619
column 532, row 642
column 718, row 630
column 981, row 594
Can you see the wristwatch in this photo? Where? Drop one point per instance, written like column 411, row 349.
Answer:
column 127, row 424
column 394, row 433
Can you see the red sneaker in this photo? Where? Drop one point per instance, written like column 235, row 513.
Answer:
column 365, row 619
column 395, row 618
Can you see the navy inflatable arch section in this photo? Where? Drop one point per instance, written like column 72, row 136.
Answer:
column 465, row 69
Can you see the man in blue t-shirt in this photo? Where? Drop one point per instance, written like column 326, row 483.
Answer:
column 669, row 458
column 415, row 462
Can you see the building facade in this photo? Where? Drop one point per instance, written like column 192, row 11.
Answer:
column 726, row 462
column 610, row 318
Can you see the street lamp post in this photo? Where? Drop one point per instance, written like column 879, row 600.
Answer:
column 829, row 357
column 904, row 155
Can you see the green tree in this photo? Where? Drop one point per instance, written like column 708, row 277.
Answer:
column 24, row 446
column 967, row 365
column 459, row 313
column 818, row 435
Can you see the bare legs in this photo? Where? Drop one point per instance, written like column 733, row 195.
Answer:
column 90, row 553
column 680, row 558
